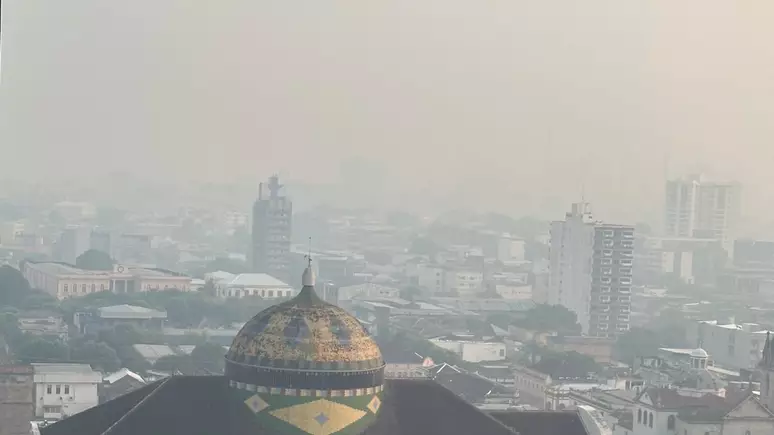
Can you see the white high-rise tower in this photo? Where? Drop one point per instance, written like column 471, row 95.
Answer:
column 695, row 207
column 591, row 271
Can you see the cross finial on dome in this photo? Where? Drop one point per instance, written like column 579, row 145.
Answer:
column 307, row 279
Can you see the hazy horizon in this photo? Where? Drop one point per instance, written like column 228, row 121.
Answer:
column 500, row 105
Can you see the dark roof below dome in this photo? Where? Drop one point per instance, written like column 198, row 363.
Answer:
column 542, row 422
column 190, row 405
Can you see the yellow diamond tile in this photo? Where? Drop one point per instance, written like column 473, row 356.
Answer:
column 374, row 404
column 256, row 404
column 321, row 417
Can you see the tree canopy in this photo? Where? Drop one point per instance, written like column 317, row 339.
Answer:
column 545, row 318
column 566, row 364
column 14, row 288
column 94, row 260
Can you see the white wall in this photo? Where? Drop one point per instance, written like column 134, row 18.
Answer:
column 264, row 292
column 477, row 352
column 472, row 351
column 77, row 392
column 660, row 422
column 572, row 244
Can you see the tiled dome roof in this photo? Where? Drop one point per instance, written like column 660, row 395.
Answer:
column 305, row 333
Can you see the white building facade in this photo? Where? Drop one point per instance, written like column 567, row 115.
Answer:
column 62, row 390
column 472, row 350
column 695, row 207
column 590, row 271
column 253, row 284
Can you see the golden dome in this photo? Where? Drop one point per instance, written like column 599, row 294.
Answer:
column 305, row 333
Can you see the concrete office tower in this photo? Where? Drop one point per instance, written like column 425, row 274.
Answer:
column 73, row 242
column 272, row 217
column 591, row 271
column 695, row 207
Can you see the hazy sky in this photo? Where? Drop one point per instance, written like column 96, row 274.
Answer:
column 515, row 101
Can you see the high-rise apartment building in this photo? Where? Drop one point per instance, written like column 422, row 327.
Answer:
column 591, row 271
column 695, row 207
column 272, row 217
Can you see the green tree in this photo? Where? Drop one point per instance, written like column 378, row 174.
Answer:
column 13, row 286
column 424, row 246
column 36, row 349
column 94, row 260
column 209, row 357
column 636, row 343
column 545, row 318
column 98, row 355
column 567, row 364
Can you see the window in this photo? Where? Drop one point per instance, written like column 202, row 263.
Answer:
column 102, row 287
column 271, row 293
column 93, row 288
column 502, row 352
column 650, row 419
column 83, row 288
column 48, row 389
column 58, row 389
column 67, row 389
column 671, row 422
column 66, row 289
column 639, row 416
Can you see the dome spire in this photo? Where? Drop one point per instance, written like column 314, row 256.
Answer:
column 307, row 279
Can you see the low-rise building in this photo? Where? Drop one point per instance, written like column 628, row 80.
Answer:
column 473, row 349
column 109, row 317
column 62, row 390
column 732, row 346
column 253, row 284
column 64, row 281
column 16, row 405
column 50, row 327
column 119, row 383
column 367, row 290
column 667, row 411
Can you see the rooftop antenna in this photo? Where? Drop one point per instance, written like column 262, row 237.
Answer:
column 309, row 254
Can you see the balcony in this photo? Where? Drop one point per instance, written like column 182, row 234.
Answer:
column 625, row 290
column 607, row 253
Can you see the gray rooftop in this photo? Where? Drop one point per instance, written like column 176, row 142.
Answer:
column 256, row 280
column 41, row 368
column 130, row 312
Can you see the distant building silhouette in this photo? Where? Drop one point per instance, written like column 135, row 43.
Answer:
column 272, row 220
